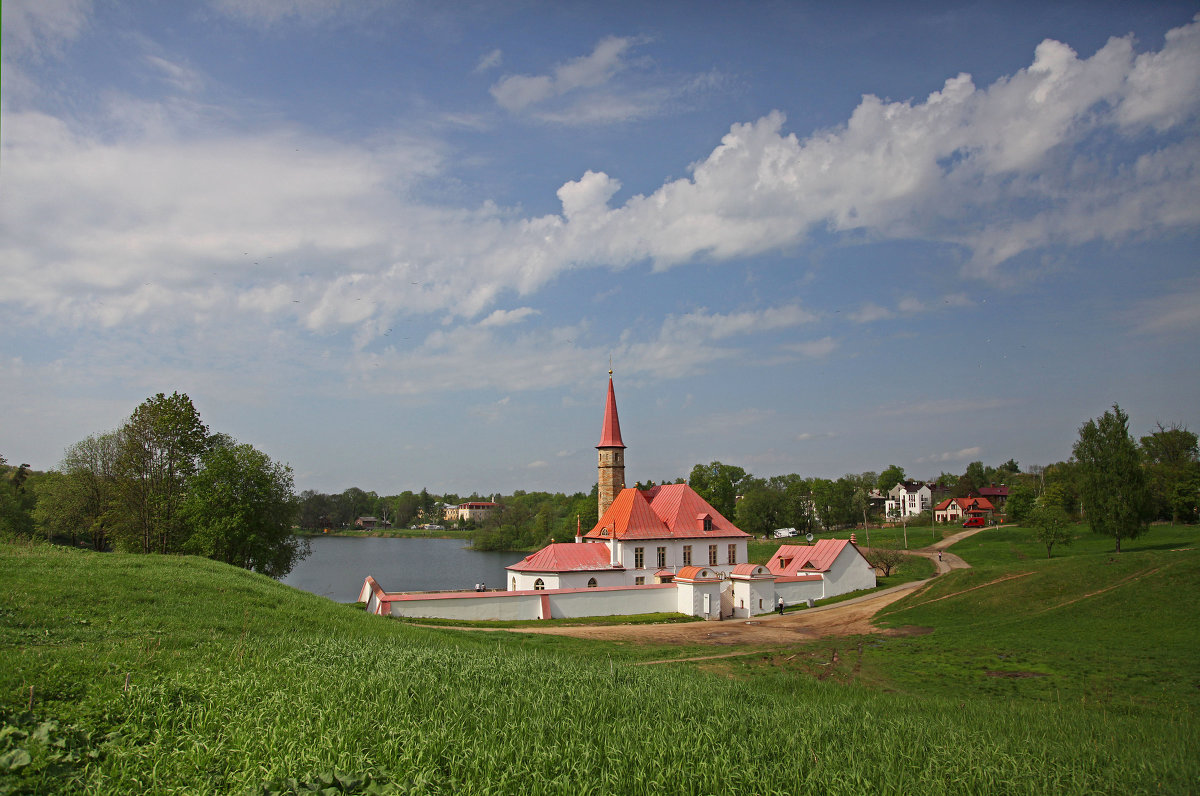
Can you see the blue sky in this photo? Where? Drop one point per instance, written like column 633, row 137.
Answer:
column 396, row 245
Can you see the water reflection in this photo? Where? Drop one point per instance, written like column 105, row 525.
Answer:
column 338, row 565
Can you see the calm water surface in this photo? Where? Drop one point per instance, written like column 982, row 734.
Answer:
column 339, row 564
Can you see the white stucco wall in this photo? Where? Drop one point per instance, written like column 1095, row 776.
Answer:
column 849, row 572
column 674, row 560
column 797, row 591
column 614, row 602
column 566, row 580
column 752, row 597
column 528, row 605
column 691, row 598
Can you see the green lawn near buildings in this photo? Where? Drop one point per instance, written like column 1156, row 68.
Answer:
column 161, row 674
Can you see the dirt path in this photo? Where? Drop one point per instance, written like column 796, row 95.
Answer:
column 849, row 618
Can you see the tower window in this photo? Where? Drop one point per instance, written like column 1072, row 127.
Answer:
column 591, row 583
column 539, row 585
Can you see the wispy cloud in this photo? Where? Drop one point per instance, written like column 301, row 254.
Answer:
column 40, row 28
column 814, row 349
column 517, row 92
column 489, row 60
column 1177, row 312
column 947, row 406
column 951, row 456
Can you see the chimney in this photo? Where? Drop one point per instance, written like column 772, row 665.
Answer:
column 852, row 538
column 578, row 531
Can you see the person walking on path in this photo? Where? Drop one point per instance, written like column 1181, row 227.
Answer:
column 779, row 606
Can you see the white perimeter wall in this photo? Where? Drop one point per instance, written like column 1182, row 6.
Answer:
column 798, row 591
column 562, row 604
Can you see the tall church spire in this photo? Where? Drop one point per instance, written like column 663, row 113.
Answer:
column 612, row 453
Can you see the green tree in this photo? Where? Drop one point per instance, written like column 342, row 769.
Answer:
column 240, row 507
column 1050, row 524
column 78, row 498
column 16, row 501
column 760, row 509
column 1116, row 501
column 1020, row 502
column 161, row 444
column 891, row 476
column 719, row 484
column 1172, row 456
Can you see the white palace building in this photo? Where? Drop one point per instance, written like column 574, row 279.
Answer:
column 663, row 549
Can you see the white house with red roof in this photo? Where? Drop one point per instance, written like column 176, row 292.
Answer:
column 643, row 537
column 663, row 549
column 953, row 509
column 825, row 569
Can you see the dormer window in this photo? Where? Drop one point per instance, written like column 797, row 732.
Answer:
column 604, row 531
column 706, row 522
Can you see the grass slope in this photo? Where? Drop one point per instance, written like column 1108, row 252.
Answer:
column 237, row 683
column 1117, row 631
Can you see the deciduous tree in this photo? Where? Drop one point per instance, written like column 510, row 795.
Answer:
column 1116, row 501
column 1050, row 524
column 161, row 444
column 719, row 484
column 1172, row 457
column 240, row 507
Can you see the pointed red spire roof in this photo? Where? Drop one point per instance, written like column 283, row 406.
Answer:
column 610, row 435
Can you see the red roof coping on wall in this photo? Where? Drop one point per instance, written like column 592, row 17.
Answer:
column 610, row 435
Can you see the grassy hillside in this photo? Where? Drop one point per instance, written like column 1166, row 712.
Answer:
column 237, row 683
column 1087, row 626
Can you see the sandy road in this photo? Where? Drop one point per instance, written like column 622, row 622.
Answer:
column 849, row 618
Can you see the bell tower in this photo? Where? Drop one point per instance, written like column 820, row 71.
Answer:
column 612, row 453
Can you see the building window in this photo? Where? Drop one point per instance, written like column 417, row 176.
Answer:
column 662, row 557
column 514, row 584
column 732, row 554
column 639, row 581
column 591, row 583
column 708, row 526
column 639, row 557
column 687, row 555
column 538, row 585
column 712, row 555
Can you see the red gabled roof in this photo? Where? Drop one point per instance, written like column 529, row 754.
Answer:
column 610, row 434
column 565, row 557
column 967, row 504
column 994, row 491
column 669, row 511
column 790, row 559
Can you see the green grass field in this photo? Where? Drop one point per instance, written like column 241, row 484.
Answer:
column 179, row 675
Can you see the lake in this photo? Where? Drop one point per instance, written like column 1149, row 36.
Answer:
column 339, row 564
